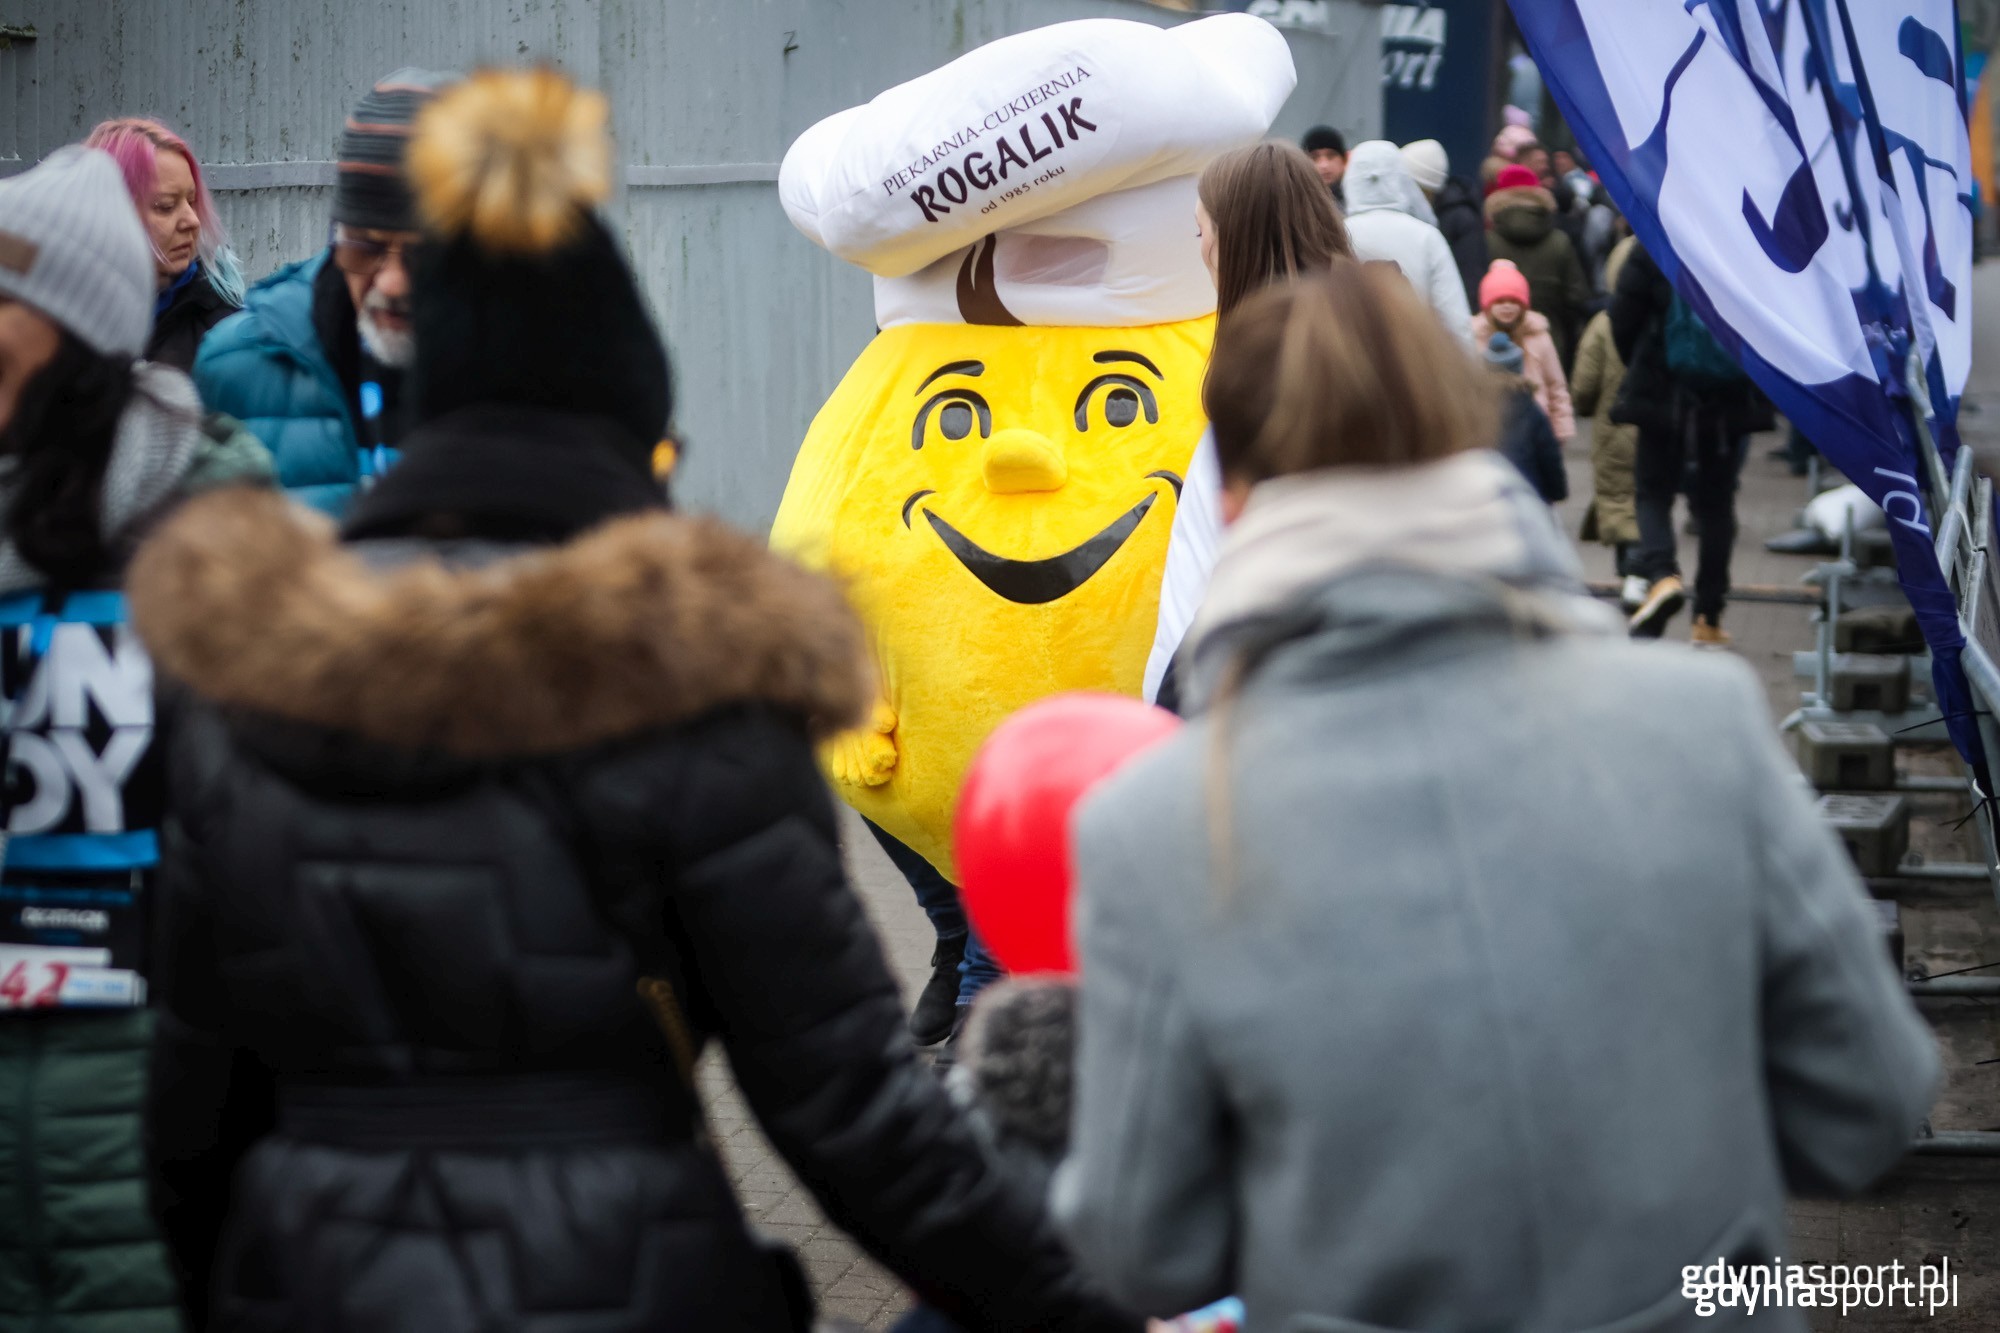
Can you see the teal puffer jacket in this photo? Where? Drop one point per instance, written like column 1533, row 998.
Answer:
column 78, row 1248
column 264, row 366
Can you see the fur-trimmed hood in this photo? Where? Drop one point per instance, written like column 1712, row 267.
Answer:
column 1534, row 198
column 249, row 600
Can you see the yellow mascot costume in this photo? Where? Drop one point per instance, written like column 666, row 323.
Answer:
column 996, row 478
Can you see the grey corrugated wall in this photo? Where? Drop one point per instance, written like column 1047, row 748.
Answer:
column 706, row 94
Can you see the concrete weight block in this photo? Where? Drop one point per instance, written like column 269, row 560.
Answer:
column 1874, row 827
column 1846, row 756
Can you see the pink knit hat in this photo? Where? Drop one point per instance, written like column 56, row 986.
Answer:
column 1516, row 178
column 1503, row 282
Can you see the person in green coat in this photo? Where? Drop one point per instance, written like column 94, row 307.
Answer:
column 94, row 445
column 1521, row 226
column 1613, row 517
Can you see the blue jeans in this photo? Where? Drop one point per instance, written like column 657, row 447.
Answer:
column 938, row 897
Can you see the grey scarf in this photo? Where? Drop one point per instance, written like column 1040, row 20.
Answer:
column 156, row 444
column 1471, row 515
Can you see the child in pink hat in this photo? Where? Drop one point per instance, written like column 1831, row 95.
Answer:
column 1504, row 307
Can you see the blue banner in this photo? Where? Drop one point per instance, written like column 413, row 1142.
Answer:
column 1801, row 170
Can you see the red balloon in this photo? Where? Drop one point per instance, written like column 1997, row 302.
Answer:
column 1012, row 828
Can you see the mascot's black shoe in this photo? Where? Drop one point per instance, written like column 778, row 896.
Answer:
column 937, row 1007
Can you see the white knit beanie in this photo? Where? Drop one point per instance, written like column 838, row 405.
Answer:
column 72, row 246
column 1427, row 163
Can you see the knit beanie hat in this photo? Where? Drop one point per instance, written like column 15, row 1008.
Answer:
column 519, row 293
column 1503, row 353
column 373, row 191
column 1511, row 140
column 1503, row 282
column 72, row 246
column 1516, row 178
column 1324, row 136
column 1427, row 164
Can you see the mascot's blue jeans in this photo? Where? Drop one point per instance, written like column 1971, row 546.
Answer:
column 938, row 897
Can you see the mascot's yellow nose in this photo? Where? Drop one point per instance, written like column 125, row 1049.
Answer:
column 1023, row 460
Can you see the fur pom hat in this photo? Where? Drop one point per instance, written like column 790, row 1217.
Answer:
column 1020, row 1052
column 519, row 294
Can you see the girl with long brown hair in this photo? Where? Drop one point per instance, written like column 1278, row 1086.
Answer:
column 1264, row 216
column 1518, row 974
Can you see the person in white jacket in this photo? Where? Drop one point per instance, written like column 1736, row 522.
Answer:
column 1389, row 220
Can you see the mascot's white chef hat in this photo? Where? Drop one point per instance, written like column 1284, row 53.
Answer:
column 1045, row 178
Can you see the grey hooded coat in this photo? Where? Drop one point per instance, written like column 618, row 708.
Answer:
column 1527, row 975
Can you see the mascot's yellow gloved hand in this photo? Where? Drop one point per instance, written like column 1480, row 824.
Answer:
column 866, row 756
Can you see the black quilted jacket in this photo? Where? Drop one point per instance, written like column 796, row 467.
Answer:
column 434, row 824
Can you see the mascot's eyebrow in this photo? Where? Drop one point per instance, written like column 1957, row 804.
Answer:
column 1102, row 358
column 957, row 368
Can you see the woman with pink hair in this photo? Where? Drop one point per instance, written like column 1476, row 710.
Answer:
column 201, row 283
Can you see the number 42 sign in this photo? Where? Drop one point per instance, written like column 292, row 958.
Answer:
column 39, row 977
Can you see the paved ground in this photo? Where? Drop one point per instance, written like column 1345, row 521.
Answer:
column 1929, row 1208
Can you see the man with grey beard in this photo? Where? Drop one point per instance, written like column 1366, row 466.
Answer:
column 313, row 364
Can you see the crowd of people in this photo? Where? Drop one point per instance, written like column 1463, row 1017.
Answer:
column 440, row 793
column 1563, row 300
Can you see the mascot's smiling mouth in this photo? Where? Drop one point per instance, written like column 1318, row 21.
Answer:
column 1037, row 582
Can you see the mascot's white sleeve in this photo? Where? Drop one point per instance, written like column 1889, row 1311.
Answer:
column 1192, row 549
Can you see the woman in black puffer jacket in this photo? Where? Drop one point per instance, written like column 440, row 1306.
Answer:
column 496, row 809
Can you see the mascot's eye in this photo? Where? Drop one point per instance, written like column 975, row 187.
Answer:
column 1122, row 396
column 955, row 410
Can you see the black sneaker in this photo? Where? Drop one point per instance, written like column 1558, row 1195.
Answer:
column 937, row 1006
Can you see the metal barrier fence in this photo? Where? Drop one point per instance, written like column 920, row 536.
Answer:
column 1961, row 502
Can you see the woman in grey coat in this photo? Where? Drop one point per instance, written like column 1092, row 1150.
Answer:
column 1462, row 964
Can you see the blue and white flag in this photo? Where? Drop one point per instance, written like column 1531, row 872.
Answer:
column 1801, row 170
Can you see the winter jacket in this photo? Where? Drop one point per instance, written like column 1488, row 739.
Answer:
column 1652, row 397
column 1614, row 448
column 1541, row 367
column 1436, row 1054
column 1522, row 227
column 1390, row 221
column 79, row 1251
column 1527, row 442
column 266, row 366
column 433, row 947
column 1571, row 219
column 1600, row 238
column 1464, row 226
column 192, row 309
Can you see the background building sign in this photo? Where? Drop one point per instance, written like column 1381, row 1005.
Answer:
column 1438, row 77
